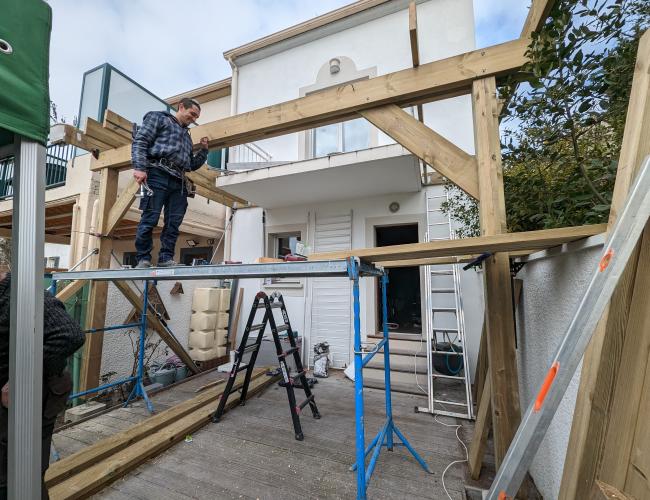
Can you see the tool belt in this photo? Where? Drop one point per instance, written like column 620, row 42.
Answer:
column 188, row 185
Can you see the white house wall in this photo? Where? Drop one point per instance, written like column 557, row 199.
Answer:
column 552, row 290
column 445, row 28
column 248, row 244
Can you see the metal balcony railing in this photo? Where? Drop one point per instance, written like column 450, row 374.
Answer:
column 248, row 153
column 56, row 167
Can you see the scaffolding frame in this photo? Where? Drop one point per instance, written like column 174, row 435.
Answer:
column 350, row 268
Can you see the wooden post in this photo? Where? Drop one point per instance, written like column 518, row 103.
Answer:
column 506, row 413
column 92, row 356
column 618, row 340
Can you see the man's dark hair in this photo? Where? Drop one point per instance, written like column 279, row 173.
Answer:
column 188, row 103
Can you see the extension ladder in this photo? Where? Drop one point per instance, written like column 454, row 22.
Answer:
column 443, row 341
column 619, row 247
column 262, row 301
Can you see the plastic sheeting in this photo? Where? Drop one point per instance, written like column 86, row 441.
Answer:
column 25, row 27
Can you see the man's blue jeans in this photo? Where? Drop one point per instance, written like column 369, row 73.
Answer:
column 168, row 193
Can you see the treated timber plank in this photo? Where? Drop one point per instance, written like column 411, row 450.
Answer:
column 62, row 133
column 432, row 148
column 630, row 382
column 122, row 205
column 118, row 124
column 603, row 355
column 70, row 290
column 206, row 178
column 96, row 131
column 510, row 242
column 537, row 15
column 428, row 82
column 92, row 354
column 481, row 431
column 99, row 475
column 604, row 491
column 156, row 324
column 413, row 34
column 500, row 328
column 71, row 465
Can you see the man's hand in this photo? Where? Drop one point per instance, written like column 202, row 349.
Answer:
column 5, row 395
column 140, row 176
column 204, row 143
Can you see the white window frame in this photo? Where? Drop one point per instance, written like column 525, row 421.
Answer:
column 273, row 233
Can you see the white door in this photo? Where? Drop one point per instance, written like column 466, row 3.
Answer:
column 331, row 297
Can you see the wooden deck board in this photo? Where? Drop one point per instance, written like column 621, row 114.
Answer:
column 252, row 453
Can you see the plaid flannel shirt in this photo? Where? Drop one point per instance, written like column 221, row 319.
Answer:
column 162, row 136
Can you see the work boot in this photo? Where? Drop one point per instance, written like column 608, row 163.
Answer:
column 143, row 264
column 169, row 263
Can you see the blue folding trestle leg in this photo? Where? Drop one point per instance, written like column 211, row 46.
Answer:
column 385, row 435
column 138, row 384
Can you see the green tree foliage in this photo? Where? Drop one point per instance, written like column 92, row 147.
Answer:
column 562, row 128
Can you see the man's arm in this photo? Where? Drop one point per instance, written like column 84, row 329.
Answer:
column 201, row 155
column 143, row 140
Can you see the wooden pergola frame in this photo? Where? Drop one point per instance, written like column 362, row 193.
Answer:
column 380, row 101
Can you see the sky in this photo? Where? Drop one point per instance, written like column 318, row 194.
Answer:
column 170, row 47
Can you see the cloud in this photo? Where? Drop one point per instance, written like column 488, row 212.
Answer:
column 169, row 46
column 499, row 21
column 166, row 46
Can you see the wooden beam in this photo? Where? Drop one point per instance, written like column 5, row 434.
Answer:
column 92, row 356
column 70, row 290
column 208, row 186
column 413, row 34
column 428, row 82
column 604, row 491
column 432, row 148
column 96, row 131
column 157, row 325
column 67, row 134
column 118, row 124
column 122, row 205
column 481, row 431
column 537, row 15
column 500, row 328
column 603, row 358
column 69, row 466
column 510, row 242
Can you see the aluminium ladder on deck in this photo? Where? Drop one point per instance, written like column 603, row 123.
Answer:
column 439, row 227
column 620, row 244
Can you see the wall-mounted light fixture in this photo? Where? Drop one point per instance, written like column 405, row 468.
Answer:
column 191, row 243
column 335, row 65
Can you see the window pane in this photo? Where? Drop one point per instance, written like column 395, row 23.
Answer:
column 129, row 100
column 326, row 140
column 286, row 245
column 356, row 135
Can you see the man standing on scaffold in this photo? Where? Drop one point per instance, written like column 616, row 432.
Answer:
column 161, row 154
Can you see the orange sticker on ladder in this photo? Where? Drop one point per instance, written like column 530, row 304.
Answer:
column 546, row 385
column 604, row 262
column 502, row 496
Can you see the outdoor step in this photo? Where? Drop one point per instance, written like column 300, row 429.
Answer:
column 396, row 386
column 398, row 377
column 402, row 346
column 401, row 363
column 414, row 337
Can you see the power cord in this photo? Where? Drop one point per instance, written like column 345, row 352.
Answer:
column 451, row 464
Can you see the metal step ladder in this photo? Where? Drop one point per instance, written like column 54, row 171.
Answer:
column 262, row 301
column 445, row 340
